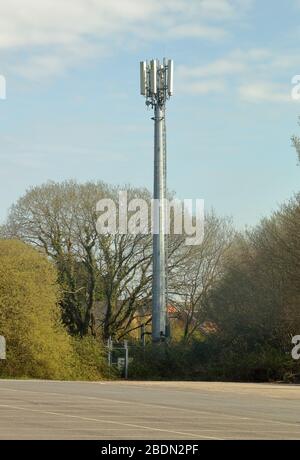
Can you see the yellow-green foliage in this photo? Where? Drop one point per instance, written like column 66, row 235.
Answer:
column 37, row 344
column 91, row 360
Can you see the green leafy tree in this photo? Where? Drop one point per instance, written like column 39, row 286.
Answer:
column 37, row 343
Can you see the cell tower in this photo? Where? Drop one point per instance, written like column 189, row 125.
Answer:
column 157, row 88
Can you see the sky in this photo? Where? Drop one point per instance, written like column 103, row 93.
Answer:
column 73, row 108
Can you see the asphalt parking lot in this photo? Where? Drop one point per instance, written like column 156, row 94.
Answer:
column 31, row 409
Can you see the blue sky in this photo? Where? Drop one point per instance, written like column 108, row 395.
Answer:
column 73, row 108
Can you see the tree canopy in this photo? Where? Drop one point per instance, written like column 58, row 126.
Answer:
column 37, row 343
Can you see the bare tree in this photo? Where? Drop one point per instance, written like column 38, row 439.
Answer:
column 94, row 269
column 197, row 269
column 106, row 278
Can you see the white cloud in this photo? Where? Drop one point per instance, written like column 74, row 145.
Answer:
column 218, row 68
column 237, row 62
column 45, row 65
column 264, row 92
column 203, row 87
column 197, row 31
column 50, row 30
column 255, row 74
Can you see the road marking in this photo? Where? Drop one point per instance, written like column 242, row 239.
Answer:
column 88, row 419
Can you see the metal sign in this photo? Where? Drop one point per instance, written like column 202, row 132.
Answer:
column 121, row 363
column 2, row 347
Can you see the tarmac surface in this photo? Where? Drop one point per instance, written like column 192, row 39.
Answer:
column 32, row 409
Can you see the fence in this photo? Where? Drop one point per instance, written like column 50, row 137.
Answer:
column 118, row 355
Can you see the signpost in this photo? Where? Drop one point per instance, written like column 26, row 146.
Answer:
column 120, row 361
column 2, row 347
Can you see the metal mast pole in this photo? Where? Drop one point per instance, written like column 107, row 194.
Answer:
column 159, row 250
column 157, row 87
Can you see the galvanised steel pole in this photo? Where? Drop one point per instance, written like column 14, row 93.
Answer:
column 159, row 249
column 157, row 87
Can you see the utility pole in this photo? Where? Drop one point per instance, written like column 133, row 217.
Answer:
column 157, row 88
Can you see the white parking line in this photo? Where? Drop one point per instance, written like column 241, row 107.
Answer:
column 88, row 419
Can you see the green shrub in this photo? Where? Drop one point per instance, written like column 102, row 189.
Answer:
column 213, row 359
column 90, row 360
column 37, row 343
